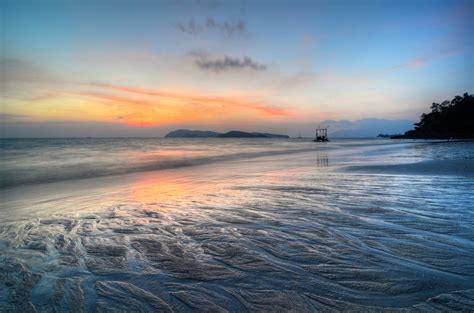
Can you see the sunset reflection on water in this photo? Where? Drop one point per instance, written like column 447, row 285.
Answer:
column 162, row 187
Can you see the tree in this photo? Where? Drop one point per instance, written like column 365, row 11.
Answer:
column 449, row 119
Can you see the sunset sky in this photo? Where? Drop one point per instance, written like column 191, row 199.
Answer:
column 145, row 67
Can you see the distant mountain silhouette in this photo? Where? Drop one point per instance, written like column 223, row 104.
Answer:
column 241, row 134
column 450, row 119
column 186, row 133
column 365, row 128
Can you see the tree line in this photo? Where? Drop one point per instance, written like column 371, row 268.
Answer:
column 448, row 119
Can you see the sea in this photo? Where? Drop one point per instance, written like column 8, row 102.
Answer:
column 236, row 225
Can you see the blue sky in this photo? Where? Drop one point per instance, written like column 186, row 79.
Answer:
column 158, row 65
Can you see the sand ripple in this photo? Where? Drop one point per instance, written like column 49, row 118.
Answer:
column 367, row 243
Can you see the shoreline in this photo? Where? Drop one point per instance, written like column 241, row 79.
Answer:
column 231, row 235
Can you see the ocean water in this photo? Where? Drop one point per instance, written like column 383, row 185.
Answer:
column 235, row 225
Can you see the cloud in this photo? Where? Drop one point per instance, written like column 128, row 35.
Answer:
column 13, row 70
column 189, row 97
column 118, row 99
column 13, row 119
column 189, row 27
column 229, row 28
column 180, row 103
column 6, row 62
column 6, row 117
column 300, row 78
column 426, row 59
column 228, row 63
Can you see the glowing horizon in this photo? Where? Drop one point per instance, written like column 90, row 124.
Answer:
column 144, row 64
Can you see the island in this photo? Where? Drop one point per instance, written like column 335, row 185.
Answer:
column 241, row 134
column 447, row 120
column 186, row 133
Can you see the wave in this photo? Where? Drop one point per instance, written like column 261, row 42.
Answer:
column 102, row 170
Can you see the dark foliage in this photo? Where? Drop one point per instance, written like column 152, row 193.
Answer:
column 449, row 119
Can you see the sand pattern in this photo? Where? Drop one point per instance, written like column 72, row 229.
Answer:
column 300, row 243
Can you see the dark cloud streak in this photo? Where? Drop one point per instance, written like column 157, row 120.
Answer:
column 229, row 63
column 194, row 28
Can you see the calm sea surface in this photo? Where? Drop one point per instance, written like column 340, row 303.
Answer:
column 235, row 225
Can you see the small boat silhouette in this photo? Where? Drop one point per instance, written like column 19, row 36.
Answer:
column 321, row 135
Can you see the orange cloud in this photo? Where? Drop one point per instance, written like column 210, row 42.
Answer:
column 196, row 98
column 422, row 61
column 144, row 107
column 150, row 107
column 114, row 98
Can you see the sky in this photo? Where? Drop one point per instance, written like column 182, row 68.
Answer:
column 143, row 68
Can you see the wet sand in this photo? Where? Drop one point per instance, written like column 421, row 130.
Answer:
column 462, row 167
column 301, row 232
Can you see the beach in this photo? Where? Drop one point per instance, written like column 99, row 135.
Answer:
column 236, row 225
